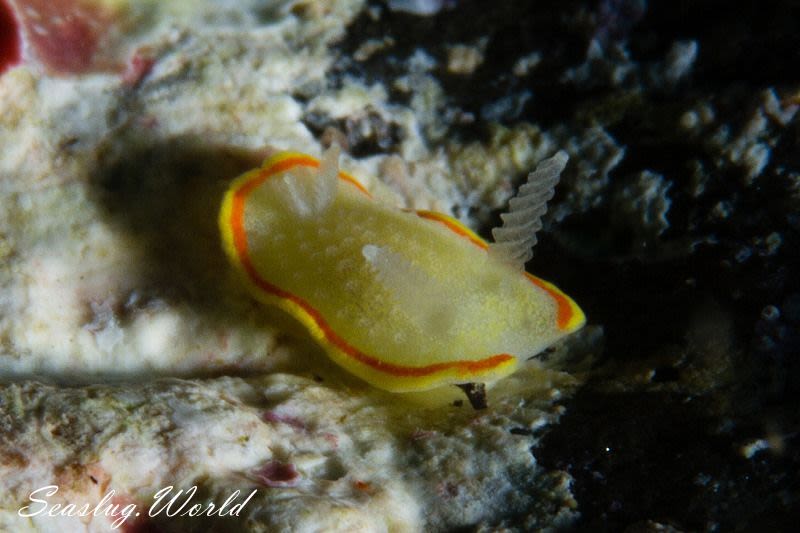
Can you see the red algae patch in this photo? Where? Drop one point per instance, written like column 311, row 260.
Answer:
column 139, row 66
column 279, row 418
column 10, row 44
column 277, row 474
column 69, row 36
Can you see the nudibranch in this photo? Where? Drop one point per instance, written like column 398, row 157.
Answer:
column 406, row 300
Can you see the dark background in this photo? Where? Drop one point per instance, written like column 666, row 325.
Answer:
column 701, row 349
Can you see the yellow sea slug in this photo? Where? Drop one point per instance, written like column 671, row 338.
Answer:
column 406, row 300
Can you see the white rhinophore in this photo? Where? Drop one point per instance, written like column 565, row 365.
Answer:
column 310, row 191
column 515, row 239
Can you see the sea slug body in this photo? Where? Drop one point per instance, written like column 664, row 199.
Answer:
column 406, row 300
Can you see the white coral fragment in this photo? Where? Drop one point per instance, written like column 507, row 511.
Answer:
column 514, row 241
column 418, row 7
